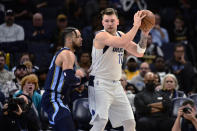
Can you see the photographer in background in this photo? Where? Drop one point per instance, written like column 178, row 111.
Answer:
column 18, row 115
column 186, row 119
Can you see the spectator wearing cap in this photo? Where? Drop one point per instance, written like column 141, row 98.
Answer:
column 5, row 75
column 15, row 84
column 131, row 67
column 56, row 39
column 9, row 31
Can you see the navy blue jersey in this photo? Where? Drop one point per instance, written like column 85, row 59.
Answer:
column 55, row 77
column 55, row 90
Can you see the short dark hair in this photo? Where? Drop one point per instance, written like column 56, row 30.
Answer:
column 179, row 45
column 190, row 102
column 68, row 32
column 109, row 11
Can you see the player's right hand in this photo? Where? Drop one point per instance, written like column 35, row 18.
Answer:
column 138, row 18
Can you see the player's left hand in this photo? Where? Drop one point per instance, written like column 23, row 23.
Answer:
column 80, row 73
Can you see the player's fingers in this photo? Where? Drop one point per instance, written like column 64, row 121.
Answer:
column 143, row 15
column 140, row 13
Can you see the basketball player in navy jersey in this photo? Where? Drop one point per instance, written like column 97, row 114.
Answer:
column 107, row 98
column 60, row 77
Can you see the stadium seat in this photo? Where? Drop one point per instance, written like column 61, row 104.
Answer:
column 81, row 114
column 194, row 98
column 176, row 103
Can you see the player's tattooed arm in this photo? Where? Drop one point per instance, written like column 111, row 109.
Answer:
column 143, row 41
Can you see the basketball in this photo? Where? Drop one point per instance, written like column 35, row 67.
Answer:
column 148, row 22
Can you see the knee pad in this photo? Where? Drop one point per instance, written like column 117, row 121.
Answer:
column 129, row 125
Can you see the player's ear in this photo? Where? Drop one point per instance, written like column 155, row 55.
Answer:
column 118, row 21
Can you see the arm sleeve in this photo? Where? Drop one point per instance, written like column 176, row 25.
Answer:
column 70, row 78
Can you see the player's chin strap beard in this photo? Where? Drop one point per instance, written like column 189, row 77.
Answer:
column 143, row 41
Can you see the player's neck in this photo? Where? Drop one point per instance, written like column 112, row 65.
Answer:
column 70, row 47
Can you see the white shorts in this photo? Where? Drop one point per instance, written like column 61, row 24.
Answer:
column 108, row 99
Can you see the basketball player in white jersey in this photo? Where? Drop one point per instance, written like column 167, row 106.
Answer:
column 107, row 98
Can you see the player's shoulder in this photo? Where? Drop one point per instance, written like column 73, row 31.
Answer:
column 67, row 53
column 101, row 34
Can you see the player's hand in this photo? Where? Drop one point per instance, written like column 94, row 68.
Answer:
column 146, row 32
column 138, row 18
column 79, row 73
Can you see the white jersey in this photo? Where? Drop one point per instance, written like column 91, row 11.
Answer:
column 107, row 62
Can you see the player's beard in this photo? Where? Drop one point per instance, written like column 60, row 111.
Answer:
column 75, row 45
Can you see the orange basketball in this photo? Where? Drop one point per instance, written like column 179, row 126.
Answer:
column 148, row 22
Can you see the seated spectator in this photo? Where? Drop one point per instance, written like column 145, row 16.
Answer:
column 180, row 33
column 85, row 62
column 5, row 75
column 182, row 68
column 27, row 57
column 170, row 87
column 129, row 93
column 29, row 66
column 131, row 67
column 152, row 109
column 15, row 84
column 186, row 119
column 159, row 34
column 78, row 92
column 37, row 32
column 29, row 86
column 9, row 31
column 159, row 67
column 138, row 80
column 153, row 49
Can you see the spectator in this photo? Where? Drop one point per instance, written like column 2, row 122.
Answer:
column 159, row 67
column 37, row 33
column 138, row 80
column 131, row 67
column 29, row 66
column 182, row 68
column 56, row 39
column 5, row 75
column 130, row 94
column 180, row 33
column 29, row 86
column 159, row 34
column 186, row 119
column 170, row 87
column 152, row 48
column 85, row 62
column 80, row 92
column 27, row 57
column 19, row 117
column 11, row 32
column 152, row 109
column 15, row 84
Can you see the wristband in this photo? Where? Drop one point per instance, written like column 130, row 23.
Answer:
column 140, row 50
